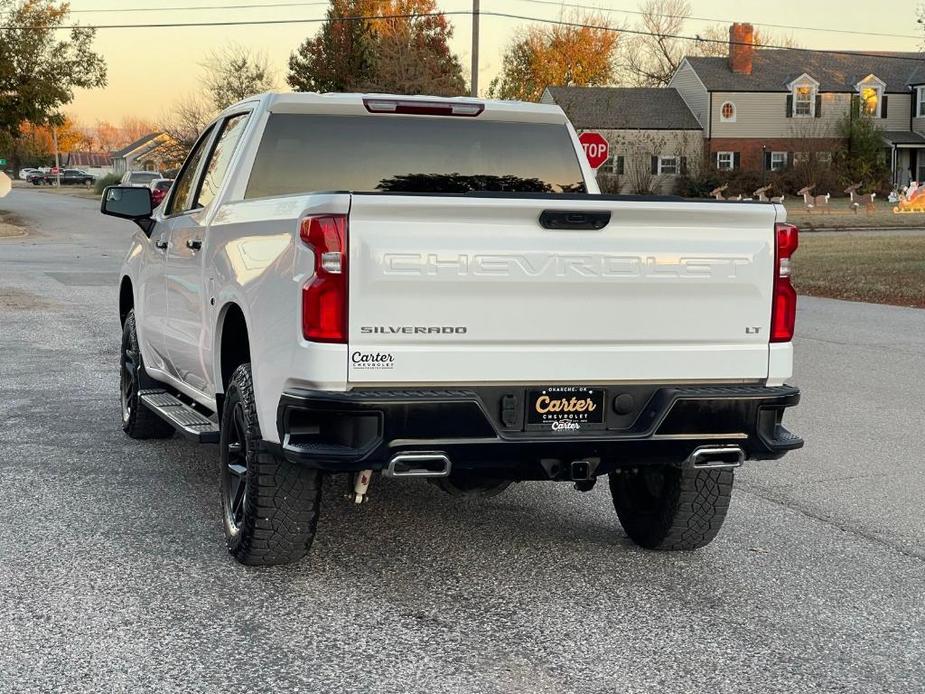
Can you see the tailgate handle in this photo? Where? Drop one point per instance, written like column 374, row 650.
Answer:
column 574, row 219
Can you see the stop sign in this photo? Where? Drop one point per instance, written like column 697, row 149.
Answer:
column 596, row 148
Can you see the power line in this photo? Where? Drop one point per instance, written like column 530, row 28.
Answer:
column 551, row 3
column 198, row 7
column 489, row 13
column 792, row 27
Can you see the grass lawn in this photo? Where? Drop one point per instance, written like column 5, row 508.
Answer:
column 841, row 216
column 881, row 269
column 10, row 225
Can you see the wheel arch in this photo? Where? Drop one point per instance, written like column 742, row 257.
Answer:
column 126, row 298
column 232, row 346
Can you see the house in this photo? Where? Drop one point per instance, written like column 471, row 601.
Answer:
column 148, row 153
column 767, row 108
column 653, row 135
column 96, row 163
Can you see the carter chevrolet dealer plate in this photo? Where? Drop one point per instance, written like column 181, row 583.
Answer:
column 565, row 407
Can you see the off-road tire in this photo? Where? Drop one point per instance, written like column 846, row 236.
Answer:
column 275, row 521
column 137, row 420
column 667, row 507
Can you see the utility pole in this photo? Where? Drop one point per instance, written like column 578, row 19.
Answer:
column 474, row 77
column 54, row 139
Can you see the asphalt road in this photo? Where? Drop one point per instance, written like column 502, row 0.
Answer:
column 114, row 577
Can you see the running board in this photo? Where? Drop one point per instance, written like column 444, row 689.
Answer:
column 187, row 421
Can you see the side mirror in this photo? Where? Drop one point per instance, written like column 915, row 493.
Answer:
column 128, row 202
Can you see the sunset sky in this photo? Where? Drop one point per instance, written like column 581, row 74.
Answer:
column 152, row 67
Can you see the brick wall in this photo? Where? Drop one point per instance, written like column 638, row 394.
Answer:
column 751, row 150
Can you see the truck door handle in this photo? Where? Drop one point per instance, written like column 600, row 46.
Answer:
column 161, row 244
column 193, row 244
column 574, row 219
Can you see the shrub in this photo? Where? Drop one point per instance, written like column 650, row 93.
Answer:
column 862, row 159
column 697, row 186
column 107, row 180
column 610, row 184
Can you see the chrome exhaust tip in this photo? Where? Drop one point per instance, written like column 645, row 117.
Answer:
column 418, row 464
column 717, row 458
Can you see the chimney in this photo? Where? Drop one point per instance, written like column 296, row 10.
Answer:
column 741, row 48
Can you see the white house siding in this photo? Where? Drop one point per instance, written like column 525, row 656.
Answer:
column 763, row 114
column 691, row 89
column 898, row 111
column 918, row 124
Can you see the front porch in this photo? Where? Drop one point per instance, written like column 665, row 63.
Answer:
column 904, row 152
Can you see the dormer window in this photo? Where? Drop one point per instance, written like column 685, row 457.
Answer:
column 870, row 100
column 803, row 99
column 870, row 92
column 802, row 102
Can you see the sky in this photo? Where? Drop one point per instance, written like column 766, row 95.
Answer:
column 151, row 68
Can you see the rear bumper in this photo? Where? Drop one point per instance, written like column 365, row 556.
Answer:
column 483, row 428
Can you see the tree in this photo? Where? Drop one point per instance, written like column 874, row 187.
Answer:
column 412, row 52
column 650, row 59
column 235, row 72
column 340, row 57
column 405, row 52
column 580, row 53
column 186, row 120
column 38, row 73
column 862, row 160
column 230, row 74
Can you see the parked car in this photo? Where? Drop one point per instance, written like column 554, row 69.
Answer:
column 24, row 173
column 159, row 188
column 464, row 307
column 67, row 177
column 140, row 179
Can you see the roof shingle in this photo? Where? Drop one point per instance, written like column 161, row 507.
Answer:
column 624, row 108
column 773, row 69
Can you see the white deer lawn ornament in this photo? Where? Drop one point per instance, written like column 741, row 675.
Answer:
column 858, row 200
column 814, row 202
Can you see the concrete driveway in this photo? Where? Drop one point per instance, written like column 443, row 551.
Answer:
column 114, row 577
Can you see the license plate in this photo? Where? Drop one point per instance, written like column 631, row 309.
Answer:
column 565, row 408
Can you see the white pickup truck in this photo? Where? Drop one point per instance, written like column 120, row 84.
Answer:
column 420, row 287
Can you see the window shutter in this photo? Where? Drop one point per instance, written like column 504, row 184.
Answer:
column 618, row 165
column 736, row 160
column 716, row 159
column 654, row 165
column 855, row 105
column 883, row 107
column 790, row 106
column 684, row 166
column 915, row 102
column 767, row 161
column 818, row 105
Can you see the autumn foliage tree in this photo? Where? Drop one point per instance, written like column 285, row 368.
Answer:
column 38, row 71
column 580, row 52
column 398, row 46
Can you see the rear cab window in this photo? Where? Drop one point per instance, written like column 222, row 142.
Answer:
column 302, row 153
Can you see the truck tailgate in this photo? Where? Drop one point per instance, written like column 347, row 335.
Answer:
column 473, row 289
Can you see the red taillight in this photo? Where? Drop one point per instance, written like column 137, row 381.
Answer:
column 784, row 306
column 324, row 298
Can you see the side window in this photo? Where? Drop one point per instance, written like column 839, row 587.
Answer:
column 222, row 151
column 184, row 183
